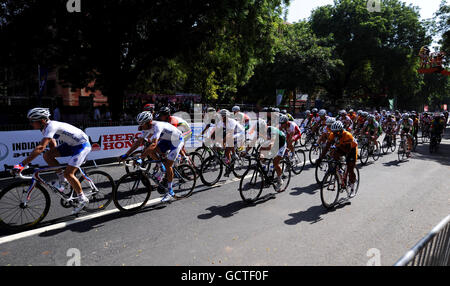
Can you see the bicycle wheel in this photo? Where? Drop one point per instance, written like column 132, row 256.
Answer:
column 356, row 183
column 204, row 152
column 100, row 196
column 299, row 161
column 329, row 191
column 425, row 137
column 211, row 171
column 14, row 215
column 241, row 164
column 132, row 192
column 196, row 160
column 401, row 151
column 376, row 152
column 129, row 168
column 184, row 181
column 251, row 184
column 364, row 155
column 385, row 146
column 321, row 171
column 393, row 144
column 302, row 141
column 314, row 154
column 285, row 176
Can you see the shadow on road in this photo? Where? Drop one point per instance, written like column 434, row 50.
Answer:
column 441, row 157
column 233, row 208
column 313, row 214
column 311, row 190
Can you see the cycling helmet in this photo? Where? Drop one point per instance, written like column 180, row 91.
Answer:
column 315, row 110
column 330, row 121
column 342, row 112
column 211, row 109
column 322, row 112
column 442, row 115
column 371, row 116
column 164, row 110
column 276, row 110
column 224, row 112
column 144, row 117
column 148, row 107
column 337, row 126
column 284, row 111
column 405, row 116
column 351, row 111
column 38, row 114
column 364, row 114
column 307, row 112
column 359, row 112
column 283, row 119
column 236, row 109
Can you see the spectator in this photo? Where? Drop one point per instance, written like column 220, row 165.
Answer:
column 108, row 115
column 56, row 114
column 97, row 115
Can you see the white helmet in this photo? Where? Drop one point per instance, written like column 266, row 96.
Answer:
column 343, row 112
column 330, row 121
column 38, row 114
column 322, row 112
column 236, row 109
column 405, row 116
column 144, row 117
column 337, row 126
column 224, row 112
column 283, row 119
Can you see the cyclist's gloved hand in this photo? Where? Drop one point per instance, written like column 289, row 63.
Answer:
column 139, row 161
column 18, row 168
column 123, row 157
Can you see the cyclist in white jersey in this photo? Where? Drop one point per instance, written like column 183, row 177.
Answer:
column 163, row 137
column 75, row 145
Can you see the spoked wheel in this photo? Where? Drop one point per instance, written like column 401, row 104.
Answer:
column 314, row 154
column 285, row 176
column 364, row 154
column 132, row 192
column 385, row 145
column 204, row 152
column 184, row 181
column 129, row 166
column 211, row 171
column 376, row 152
column 241, row 164
column 321, row 171
column 14, row 215
column 425, row 137
column 356, row 184
column 196, row 160
column 100, row 194
column 299, row 161
column 329, row 191
column 393, row 144
column 402, row 151
column 251, row 184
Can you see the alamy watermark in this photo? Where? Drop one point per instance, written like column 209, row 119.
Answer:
column 375, row 257
column 75, row 257
column 374, row 6
column 73, row 6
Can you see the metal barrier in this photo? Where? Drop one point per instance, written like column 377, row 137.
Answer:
column 432, row 250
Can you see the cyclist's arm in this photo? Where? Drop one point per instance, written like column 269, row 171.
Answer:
column 135, row 145
column 38, row 150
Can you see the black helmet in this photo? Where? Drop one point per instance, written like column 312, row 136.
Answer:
column 164, row 111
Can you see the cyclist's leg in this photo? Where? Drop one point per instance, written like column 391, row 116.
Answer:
column 74, row 164
column 51, row 155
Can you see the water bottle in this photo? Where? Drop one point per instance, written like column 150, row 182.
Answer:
column 271, row 170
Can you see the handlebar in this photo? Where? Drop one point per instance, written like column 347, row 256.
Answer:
column 20, row 175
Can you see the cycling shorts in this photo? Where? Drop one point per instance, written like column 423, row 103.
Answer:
column 78, row 153
column 168, row 146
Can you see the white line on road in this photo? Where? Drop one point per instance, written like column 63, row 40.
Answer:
column 61, row 225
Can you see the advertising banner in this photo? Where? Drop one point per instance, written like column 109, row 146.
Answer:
column 15, row 146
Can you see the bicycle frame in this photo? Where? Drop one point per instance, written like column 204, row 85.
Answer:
column 36, row 179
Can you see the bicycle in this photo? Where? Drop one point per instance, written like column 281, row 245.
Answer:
column 403, row 148
column 258, row 177
column 434, row 143
column 296, row 162
column 212, row 167
column 368, row 148
column 31, row 202
column 333, row 184
column 389, row 143
column 130, row 195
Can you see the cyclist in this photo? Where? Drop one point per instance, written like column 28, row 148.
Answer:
column 361, row 121
column 275, row 140
column 344, row 118
column 75, row 144
column 178, row 122
column 352, row 115
column 326, row 131
column 163, row 137
column 373, row 128
column 233, row 133
column 438, row 126
column 415, row 124
column 319, row 121
column 345, row 146
column 406, row 124
column 241, row 117
column 289, row 116
column 292, row 131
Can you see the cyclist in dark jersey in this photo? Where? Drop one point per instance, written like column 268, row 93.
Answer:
column 275, row 142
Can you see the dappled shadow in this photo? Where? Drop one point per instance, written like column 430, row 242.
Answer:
column 311, row 190
column 313, row 214
column 441, row 157
column 233, row 208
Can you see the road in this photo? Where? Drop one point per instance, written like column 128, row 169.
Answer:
column 397, row 204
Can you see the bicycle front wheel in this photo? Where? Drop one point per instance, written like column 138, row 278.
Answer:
column 211, row 171
column 184, row 181
column 251, row 184
column 241, row 164
column 132, row 192
column 100, row 193
column 299, row 162
column 16, row 216
column 321, row 171
column 364, row 155
column 314, row 154
column 329, row 191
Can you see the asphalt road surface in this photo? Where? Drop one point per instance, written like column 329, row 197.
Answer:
column 397, row 204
